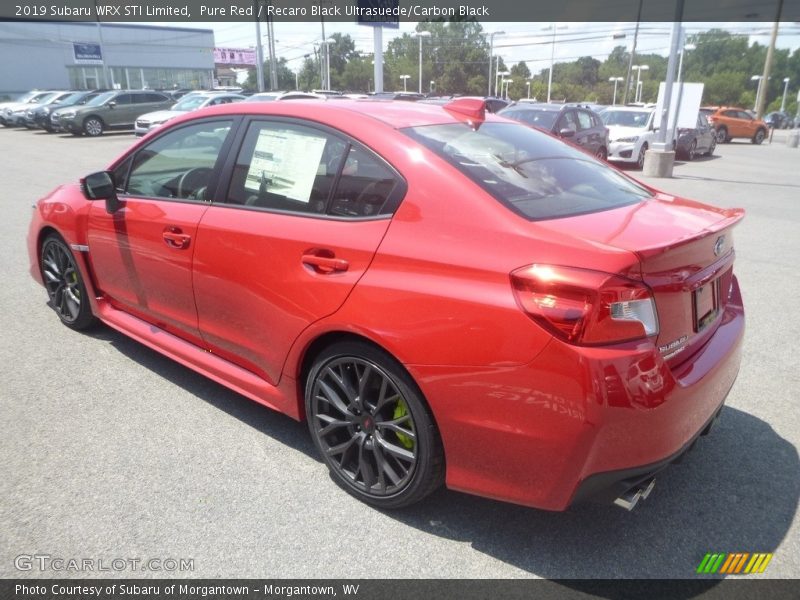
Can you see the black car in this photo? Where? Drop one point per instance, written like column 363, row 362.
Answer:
column 407, row 96
column 778, row 120
column 39, row 116
column 576, row 123
column 697, row 140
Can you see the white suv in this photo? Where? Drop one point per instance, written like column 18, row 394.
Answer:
column 631, row 132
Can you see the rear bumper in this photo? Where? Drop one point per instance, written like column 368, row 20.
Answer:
column 536, row 434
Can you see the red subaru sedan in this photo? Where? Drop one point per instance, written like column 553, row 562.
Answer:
column 444, row 295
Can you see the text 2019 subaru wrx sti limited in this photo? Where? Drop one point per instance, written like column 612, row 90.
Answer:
column 444, row 295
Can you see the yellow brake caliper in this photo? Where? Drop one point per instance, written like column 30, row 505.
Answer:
column 401, row 410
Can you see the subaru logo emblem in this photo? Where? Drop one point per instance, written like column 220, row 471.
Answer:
column 719, row 245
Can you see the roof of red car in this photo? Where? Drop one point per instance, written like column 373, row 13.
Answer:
column 396, row 114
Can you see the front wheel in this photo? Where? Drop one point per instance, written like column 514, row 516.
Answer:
column 759, row 136
column 93, row 127
column 601, row 153
column 692, row 151
column 722, row 135
column 640, row 158
column 372, row 426
column 64, row 284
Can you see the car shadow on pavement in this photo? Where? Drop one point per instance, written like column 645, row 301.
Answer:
column 737, row 491
column 276, row 425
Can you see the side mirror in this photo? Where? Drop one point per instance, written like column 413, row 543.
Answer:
column 101, row 186
column 566, row 133
column 112, row 104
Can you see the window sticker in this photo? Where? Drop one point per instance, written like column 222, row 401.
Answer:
column 280, row 163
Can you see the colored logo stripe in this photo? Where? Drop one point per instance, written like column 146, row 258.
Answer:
column 733, row 563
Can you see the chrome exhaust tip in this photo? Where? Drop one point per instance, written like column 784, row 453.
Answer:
column 640, row 491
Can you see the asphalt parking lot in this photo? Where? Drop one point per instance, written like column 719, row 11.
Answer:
column 111, row 451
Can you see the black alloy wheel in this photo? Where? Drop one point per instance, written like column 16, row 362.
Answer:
column 64, row 284
column 372, row 426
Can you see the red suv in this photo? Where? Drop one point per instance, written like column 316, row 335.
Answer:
column 444, row 295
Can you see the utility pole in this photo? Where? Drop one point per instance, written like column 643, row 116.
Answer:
column 259, row 52
column 762, row 99
column 273, row 71
column 633, row 54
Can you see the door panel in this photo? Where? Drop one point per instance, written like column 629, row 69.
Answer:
column 259, row 280
column 141, row 271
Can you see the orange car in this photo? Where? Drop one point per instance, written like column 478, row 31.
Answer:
column 730, row 122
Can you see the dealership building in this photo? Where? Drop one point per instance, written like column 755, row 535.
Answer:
column 78, row 55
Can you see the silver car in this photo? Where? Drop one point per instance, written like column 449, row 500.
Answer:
column 150, row 121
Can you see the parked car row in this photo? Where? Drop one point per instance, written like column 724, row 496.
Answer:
column 94, row 112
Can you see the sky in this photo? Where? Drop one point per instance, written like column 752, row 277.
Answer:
column 529, row 42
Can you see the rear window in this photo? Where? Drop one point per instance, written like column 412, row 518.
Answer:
column 534, row 174
column 539, row 118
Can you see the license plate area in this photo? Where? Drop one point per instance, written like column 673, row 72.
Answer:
column 705, row 304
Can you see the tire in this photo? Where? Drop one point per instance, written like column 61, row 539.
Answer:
column 691, row 153
column 65, row 288
column 640, row 158
column 759, row 137
column 93, row 126
column 601, row 153
column 712, row 147
column 372, row 426
column 722, row 135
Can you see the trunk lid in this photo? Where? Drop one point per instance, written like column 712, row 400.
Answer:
column 685, row 252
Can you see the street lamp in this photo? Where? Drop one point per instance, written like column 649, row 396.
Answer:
column 420, row 35
column 528, row 85
column 405, row 78
column 785, row 89
column 433, row 85
column 507, row 81
column 500, row 75
column 686, row 48
column 491, row 52
column 327, row 44
column 552, row 56
column 639, row 69
column 616, row 80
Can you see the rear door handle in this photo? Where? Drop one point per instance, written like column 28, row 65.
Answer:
column 175, row 238
column 325, row 264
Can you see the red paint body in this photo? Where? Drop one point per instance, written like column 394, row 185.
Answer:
column 524, row 416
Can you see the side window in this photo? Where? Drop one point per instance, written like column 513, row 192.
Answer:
column 365, row 186
column 596, row 122
column 121, row 174
column 283, row 166
column 178, row 164
column 567, row 121
column 702, row 122
column 123, row 99
column 745, row 116
column 584, row 119
column 731, row 113
column 154, row 98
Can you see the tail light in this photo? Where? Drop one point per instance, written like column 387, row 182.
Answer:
column 586, row 307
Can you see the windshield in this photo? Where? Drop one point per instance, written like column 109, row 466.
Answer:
column 71, row 99
column 625, row 118
column 532, row 173
column 190, row 103
column 538, row 118
column 100, row 99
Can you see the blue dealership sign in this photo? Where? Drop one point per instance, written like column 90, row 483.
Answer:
column 87, row 53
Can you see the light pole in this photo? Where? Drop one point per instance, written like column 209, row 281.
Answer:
column 785, row 89
column 616, row 80
column 420, row 35
column 500, row 75
column 528, row 85
column 327, row 58
column 639, row 69
column 507, row 81
column 686, row 48
column 433, row 85
column 491, row 53
column 552, row 57
column 405, row 78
